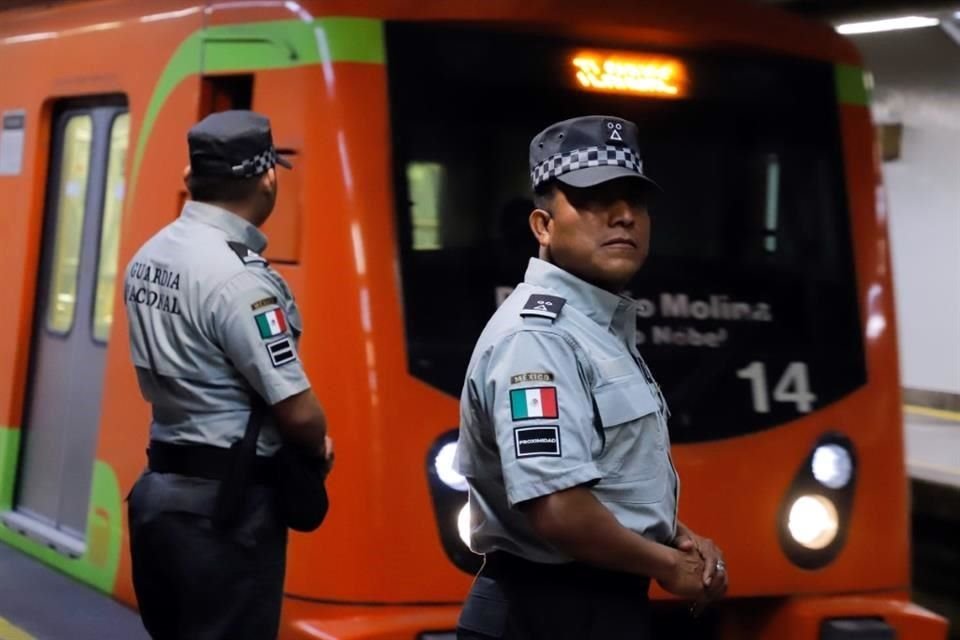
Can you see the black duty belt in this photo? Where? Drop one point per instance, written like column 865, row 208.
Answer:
column 506, row 566
column 204, row 461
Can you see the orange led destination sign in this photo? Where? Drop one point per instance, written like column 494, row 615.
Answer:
column 641, row 75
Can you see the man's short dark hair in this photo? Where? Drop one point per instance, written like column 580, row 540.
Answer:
column 543, row 195
column 221, row 189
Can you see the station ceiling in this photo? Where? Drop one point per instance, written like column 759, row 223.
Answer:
column 866, row 9
column 825, row 9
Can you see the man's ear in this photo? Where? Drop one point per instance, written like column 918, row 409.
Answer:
column 269, row 179
column 186, row 174
column 541, row 222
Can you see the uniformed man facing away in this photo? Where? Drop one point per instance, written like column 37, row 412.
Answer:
column 563, row 430
column 213, row 335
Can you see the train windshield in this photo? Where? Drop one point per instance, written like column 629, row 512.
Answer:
column 748, row 311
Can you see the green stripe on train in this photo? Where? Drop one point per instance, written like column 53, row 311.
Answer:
column 851, row 83
column 256, row 46
column 100, row 561
column 9, row 452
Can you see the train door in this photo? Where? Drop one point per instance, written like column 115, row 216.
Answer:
column 72, row 319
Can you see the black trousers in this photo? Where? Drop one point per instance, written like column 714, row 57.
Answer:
column 194, row 581
column 514, row 599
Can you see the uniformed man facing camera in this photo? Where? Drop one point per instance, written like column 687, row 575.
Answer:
column 213, row 336
column 563, row 430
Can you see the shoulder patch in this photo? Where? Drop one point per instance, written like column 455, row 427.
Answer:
column 281, row 352
column 532, row 442
column 534, row 403
column 246, row 254
column 543, row 306
column 271, row 323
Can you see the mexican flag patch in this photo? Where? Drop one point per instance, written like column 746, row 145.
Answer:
column 271, row 323
column 528, row 404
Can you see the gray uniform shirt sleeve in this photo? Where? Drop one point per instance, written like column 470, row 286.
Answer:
column 252, row 327
column 526, row 370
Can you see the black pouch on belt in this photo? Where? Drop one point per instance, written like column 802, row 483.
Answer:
column 301, row 489
column 300, row 480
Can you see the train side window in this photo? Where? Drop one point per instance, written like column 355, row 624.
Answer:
column 425, row 183
column 222, row 93
column 71, row 199
column 278, row 94
column 110, row 227
column 271, row 95
column 282, row 228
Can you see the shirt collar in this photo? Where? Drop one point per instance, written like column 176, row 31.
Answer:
column 230, row 223
column 598, row 304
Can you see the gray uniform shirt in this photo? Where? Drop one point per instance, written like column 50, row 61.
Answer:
column 211, row 327
column 555, row 400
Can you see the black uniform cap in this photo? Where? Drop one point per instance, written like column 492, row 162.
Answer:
column 586, row 151
column 233, row 144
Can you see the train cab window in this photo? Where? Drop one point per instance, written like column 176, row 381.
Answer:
column 110, row 227
column 748, row 304
column 71, row 200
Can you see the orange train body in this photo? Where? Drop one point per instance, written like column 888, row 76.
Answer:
column 319, row 69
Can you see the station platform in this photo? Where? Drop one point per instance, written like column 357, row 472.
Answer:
column 932, row 443
column 39, row 603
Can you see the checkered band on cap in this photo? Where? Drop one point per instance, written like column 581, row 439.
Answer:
column 256, row 165
column 561, row 163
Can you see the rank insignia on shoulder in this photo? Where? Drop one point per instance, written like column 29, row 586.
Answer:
column 281, row 352
column 544, row 306
column 246, row 254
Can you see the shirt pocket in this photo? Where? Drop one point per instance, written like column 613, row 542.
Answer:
column 633, row 443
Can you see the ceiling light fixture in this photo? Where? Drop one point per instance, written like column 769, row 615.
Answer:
column 890, row 24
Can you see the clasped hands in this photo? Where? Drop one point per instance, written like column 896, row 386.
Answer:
column 702, row 572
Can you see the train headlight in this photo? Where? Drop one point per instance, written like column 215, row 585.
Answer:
column 463, row 524
column 448, row 493
column 832, row 466
column 444, row 466
column 814, row 517
column 813, row 521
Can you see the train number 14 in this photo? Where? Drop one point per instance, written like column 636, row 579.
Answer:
column 794, row 386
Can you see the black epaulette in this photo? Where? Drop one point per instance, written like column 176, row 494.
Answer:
column 543, row 306
column 247, row 255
